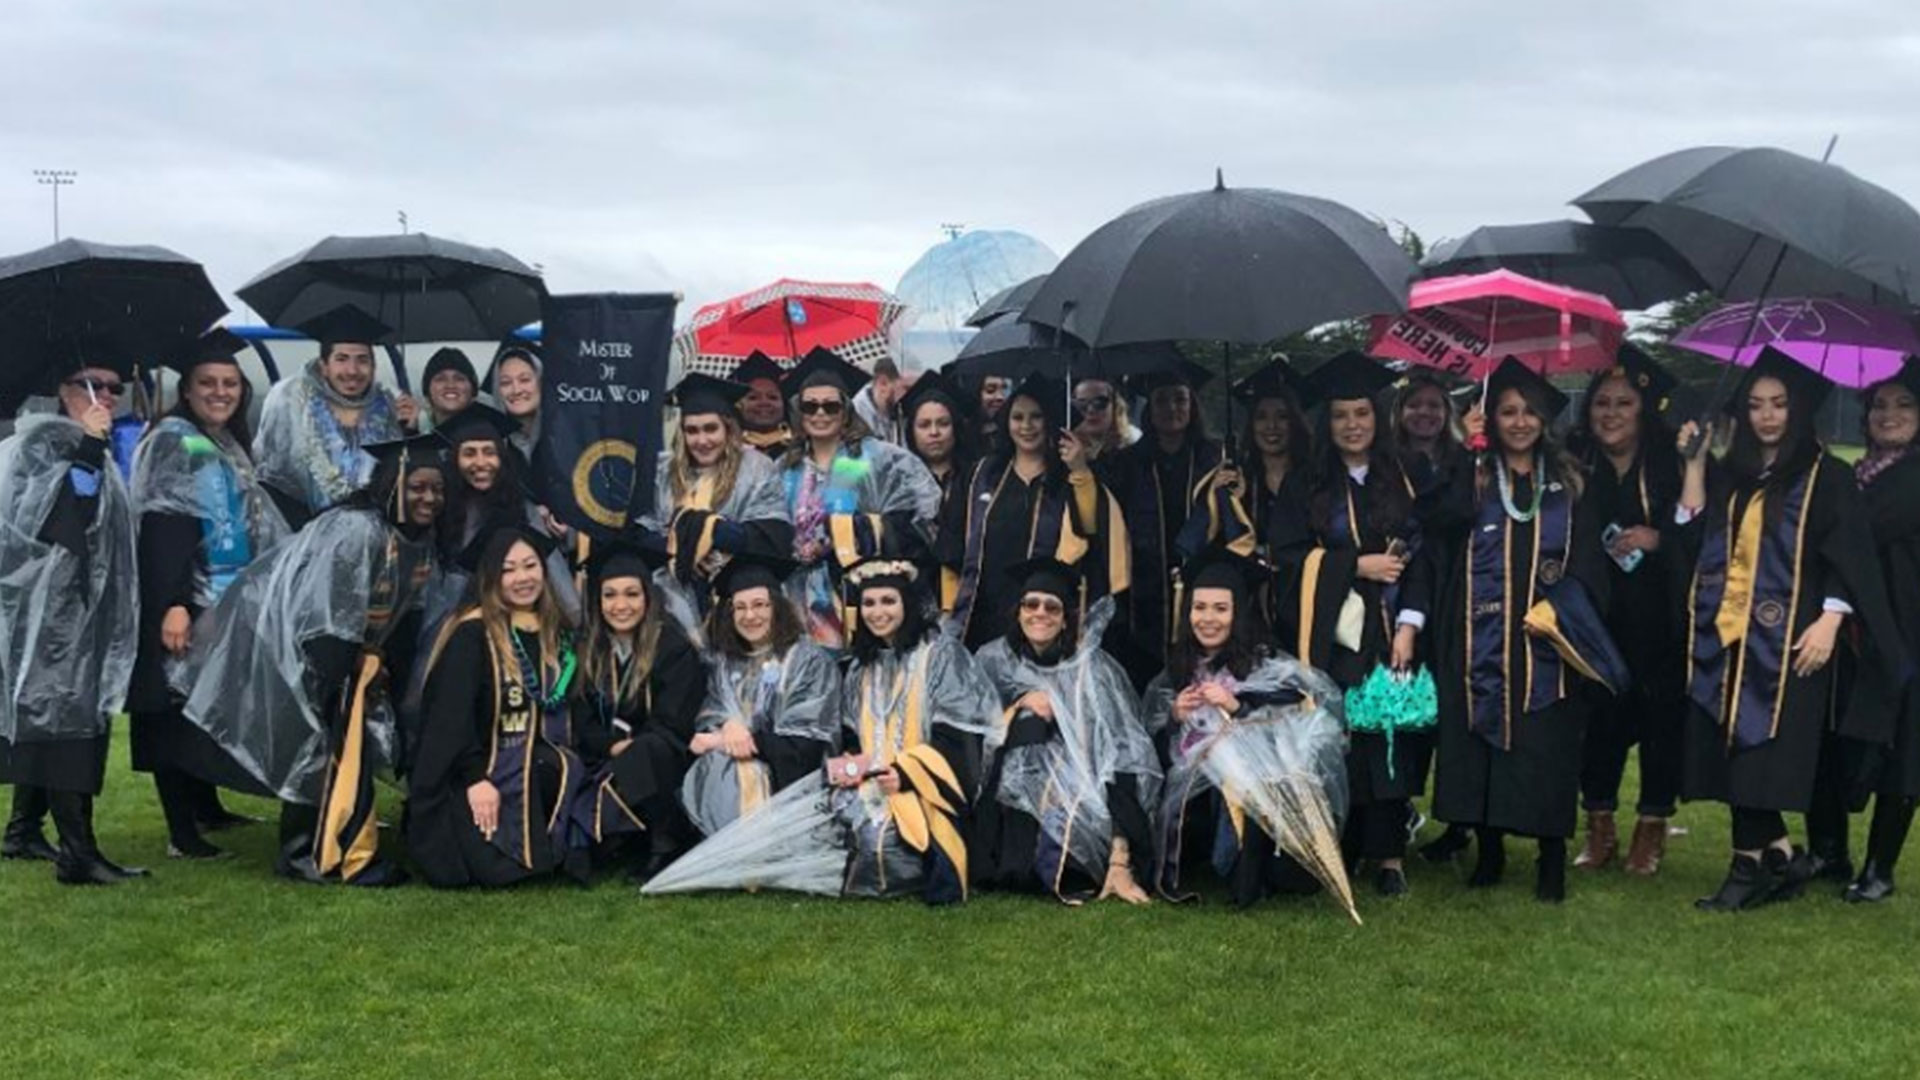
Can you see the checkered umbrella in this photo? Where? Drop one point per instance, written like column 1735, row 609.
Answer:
column 786, row 320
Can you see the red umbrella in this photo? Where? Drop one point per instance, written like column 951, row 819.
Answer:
column 786, row 320
column 1468, row 324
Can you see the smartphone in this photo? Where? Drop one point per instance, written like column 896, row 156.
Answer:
column 1628, row 562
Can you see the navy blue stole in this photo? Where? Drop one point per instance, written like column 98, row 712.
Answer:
column 1741, row 682
column 1495, row 612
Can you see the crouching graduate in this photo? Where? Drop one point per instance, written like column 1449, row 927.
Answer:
column 641, row 680
column 490, row 796
column 1072, row 768
column 286, row 675
column 772, row 708
column 887, row 817
column 68, row 627
column 1262, row 733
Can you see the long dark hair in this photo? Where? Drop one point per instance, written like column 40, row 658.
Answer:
column 916, row 625
column 966, row 437
column 1056, row 475
column 1557, row 463
column 1655, row 455
column 1388, row 505
column 1245, row 645
column 238, row 427
column 505, row 500
column 725, row 637
column 597, row 661
column 1300, row 439
column 1800, row 447
column 1197, row 433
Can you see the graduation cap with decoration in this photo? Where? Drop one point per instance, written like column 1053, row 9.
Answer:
column 345, row 324
column 1514, row 374
column 1350, row 376
column 1651, row 381
column 1806, row 388
column 478, row 422
column 704, row 395
column 823, row 367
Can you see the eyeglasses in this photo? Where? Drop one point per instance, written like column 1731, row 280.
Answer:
column 820, row 408
column 752, row 607
column 1093, row 404
column 97, row 387
column 1045, row 604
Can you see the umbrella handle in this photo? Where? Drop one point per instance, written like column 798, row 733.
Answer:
column 1692, row 446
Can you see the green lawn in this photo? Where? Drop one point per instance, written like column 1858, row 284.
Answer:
column 219, row 969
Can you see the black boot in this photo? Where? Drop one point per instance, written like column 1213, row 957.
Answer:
column 177, row 792
column 1491, row 865
column 1550, row 878
column 1449, row 844
column 80, row 861
column 1886, row 836
column 1828, row 860
column 1748, row 885
column 1390, row 881
column 26, row 836
column 1870, row 887
column 298, row 824
column 211, row 814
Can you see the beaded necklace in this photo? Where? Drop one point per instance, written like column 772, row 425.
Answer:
column 1506, row 490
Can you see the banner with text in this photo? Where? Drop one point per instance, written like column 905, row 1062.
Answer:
column 603, row 388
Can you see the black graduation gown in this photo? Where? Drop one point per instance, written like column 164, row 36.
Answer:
column 1374, row 773
column 645, row 778
column 1533, row 786
column 1893, row 508
column 461, row 710
column 169, row 554
column 65, row 764
column 1837, row 560
column 1156, row 491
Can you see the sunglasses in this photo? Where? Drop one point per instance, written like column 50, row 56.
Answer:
column 97, row 387
column 1093, row 404
column 820, row 408
column 1042, row 603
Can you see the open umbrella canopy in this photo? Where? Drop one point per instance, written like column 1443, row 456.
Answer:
column 1757, row 222
column 1242, row 265
column 1010, row 299
column 1466, row 325
column 78, row 301
column 1631, row 267
column 1851, row 343
column 424, row 287
column 788, row 319
column 1006, row 346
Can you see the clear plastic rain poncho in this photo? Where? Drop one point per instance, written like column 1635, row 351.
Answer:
column 1062, row 783
column 246, row 681
column 797, row 697
column 843, row 841
column 884, row 479
column 1282, row 762
column 179, row 470
column 70, row 628
column 757, row 495
column 301, row 447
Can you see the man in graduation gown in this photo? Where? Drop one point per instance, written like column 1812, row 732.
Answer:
column 68, row 609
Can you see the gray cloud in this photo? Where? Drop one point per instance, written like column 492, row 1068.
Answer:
column 711, row 146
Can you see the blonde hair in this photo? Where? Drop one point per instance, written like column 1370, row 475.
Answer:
column 680, row 478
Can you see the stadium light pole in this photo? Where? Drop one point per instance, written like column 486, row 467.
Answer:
column 56, row 179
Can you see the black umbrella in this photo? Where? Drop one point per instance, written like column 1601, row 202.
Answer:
column 78, row 302
column 1011, row 298
column 427, row 288
column 1631, row 267
column 1757, row 222
column 1006, row 346
column 1238, row 266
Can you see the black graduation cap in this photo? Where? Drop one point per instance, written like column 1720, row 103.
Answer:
column 749, row 570
column 478, row 422
column 1349, row 376
column 1276, row 380
column 415, row 447
column 1186, row 373
column 345, row 323
column 1049, row 392
column 1908, row 376
column 493, row 540
column 625, row 558
column 1652, row 381
column 934, row 386
column 1050, row 576
column 217, row 346
column 449, row 359
column 1805, row 387
column 823, row 367
column 699, row 395
column 757, row 366
column 1219, row 568
column 1513, row 374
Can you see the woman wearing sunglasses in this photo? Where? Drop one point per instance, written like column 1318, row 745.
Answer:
column 850, row 496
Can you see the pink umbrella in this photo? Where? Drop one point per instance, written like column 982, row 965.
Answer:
column 1468, row 324
column 1852, row 343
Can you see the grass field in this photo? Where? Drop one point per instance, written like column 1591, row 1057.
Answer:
column 220, row 969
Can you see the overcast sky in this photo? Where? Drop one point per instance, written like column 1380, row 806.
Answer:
column 708, row 147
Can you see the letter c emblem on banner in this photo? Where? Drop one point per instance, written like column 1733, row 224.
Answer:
column 613, row 517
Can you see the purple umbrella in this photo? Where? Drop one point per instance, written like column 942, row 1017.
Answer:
column 1853, row 344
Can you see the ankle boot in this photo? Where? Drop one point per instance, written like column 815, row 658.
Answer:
column 1447, row 845
column 79, row 861
column 1871, row 887
column 1491, row 864
column 1648, row 848
column 1748, row 885
column 1603, row 842
column 1828, row 860
column 1550, row 877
